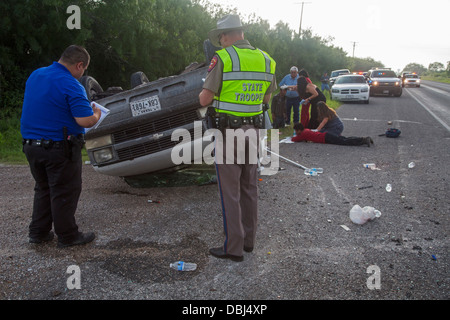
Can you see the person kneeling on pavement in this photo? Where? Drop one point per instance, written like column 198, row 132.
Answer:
column 303, row 134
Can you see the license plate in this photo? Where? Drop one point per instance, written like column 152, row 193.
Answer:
column 385, row 91
column 144, row 106
column 349, row 96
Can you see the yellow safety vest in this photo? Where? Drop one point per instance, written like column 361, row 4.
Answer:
column 247, row 74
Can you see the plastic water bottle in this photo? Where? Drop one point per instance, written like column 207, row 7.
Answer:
column 371, row 166
column 183, row 266
column 310, row 172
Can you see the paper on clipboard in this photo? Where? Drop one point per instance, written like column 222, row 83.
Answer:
column 105, row 112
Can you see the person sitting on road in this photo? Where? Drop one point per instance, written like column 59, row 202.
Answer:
column 303, row 134
column 329, row 120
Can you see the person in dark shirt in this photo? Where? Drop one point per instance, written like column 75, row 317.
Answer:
column 278, row 109
column 310, row 95
column 325, row 79
column 303, row 134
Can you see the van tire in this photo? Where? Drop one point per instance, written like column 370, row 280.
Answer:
column 91, row 86
column 138, row 78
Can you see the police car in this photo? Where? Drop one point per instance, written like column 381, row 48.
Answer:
column 411, row 79
column 350, row 87
column 384, row 81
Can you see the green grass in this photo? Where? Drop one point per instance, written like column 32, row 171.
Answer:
column 10, row 138
column 437, row 78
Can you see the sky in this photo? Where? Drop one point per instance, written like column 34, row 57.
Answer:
column 394, row 32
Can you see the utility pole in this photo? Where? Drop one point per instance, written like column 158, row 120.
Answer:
column 301, row 17
column 354, row 44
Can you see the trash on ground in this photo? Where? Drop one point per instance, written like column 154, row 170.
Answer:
column 286, row 140
column 371, row 166
column 365, row 187
column 345, row 227
column 360, row 215
column 153, row 201
column 411, row 165
column 313, row 171
column 388, row 188
column 183, row 266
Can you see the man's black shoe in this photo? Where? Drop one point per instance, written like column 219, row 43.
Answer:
column 218, row 253
column 82, row 238
column 368, row 141
column 248, row 249
column 39, row 239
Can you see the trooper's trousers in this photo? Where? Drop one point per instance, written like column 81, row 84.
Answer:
column 56, row 192
column 237, row 177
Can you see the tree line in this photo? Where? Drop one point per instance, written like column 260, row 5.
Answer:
column 158, row 37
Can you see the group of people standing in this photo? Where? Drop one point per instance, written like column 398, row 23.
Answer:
column 308, row 103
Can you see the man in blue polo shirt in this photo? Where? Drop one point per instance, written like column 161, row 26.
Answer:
column 292, row 98
column 54, row 114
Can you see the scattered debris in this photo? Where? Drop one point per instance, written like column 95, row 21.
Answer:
column 360, row 215
column 371, row 166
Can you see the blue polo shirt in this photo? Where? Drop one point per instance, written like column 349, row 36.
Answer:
column 287, row 80
column 53, row 97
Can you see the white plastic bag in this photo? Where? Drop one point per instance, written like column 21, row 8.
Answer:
column 360, row 215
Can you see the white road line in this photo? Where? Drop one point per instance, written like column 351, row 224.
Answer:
column 430, row 112
column 376, row 120
column 436, row 90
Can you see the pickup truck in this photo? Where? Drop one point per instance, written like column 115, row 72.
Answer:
column 135, row 138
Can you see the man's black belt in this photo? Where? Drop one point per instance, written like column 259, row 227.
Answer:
column 234, row 122
column 43, row 143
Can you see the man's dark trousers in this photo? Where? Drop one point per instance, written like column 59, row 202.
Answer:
column 57, row 190
column 292, row 103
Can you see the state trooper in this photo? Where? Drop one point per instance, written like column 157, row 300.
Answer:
column 240, row 80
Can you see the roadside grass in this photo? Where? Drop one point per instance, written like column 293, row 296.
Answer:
column 443, row 79
column 10, row 138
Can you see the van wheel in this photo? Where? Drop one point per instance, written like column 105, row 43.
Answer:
column 209, row 50
column 91, row 86
column 138, row 78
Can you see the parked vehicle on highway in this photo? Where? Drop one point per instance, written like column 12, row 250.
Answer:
column 336, row 73
column 351, row 87
column 384, row 81
column 135, row 138
column 411, row 79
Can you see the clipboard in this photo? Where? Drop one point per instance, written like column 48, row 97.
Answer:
column 105, row 112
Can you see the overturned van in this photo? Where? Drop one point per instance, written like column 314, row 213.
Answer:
column 135, row 138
